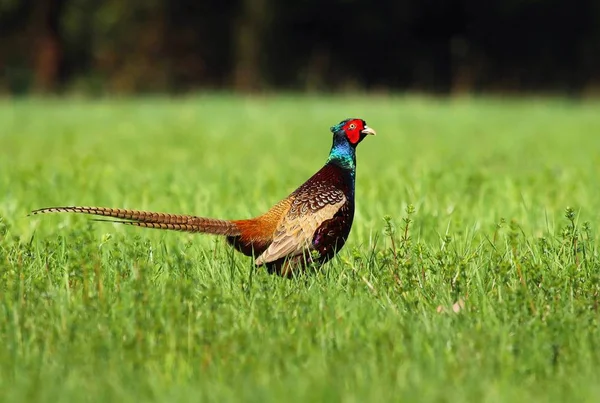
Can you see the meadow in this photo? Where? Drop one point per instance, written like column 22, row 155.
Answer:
column 471, row 273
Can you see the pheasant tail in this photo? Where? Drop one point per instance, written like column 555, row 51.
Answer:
column 148, row 219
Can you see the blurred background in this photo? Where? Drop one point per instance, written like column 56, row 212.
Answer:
column 96, row 47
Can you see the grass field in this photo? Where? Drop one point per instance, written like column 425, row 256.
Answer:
column 471, row 274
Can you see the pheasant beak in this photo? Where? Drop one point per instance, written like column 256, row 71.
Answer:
column 368, row 130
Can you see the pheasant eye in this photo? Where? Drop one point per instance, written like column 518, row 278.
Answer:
column 352, row 126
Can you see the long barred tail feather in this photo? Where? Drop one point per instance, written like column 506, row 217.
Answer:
column 148, row 219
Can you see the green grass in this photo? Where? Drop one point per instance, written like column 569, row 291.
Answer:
column 98, row 312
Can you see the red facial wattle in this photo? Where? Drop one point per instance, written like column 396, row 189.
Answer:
column 352, row 130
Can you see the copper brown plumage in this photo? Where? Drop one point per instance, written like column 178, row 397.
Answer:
column 309, row 226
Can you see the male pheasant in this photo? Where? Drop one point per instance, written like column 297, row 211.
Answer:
column 310, row 225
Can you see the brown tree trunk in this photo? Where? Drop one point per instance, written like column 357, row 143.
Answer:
column 248, row 37
column 47, row 44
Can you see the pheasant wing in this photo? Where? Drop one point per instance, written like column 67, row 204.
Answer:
column 309, row 209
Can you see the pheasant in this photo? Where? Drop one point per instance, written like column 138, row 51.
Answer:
column 309, row 226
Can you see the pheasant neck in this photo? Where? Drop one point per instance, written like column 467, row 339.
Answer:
column 342, row 154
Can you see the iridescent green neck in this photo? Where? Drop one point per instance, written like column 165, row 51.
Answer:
column 342, row 153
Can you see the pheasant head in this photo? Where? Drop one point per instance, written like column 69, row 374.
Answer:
column 352, row 130
column 346, row 136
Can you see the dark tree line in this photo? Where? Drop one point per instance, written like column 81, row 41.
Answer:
column 454, row 46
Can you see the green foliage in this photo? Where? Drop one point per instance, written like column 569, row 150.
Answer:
column 466, row 276
column 107, row 47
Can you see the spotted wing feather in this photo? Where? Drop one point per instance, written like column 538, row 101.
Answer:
column 311, row 206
